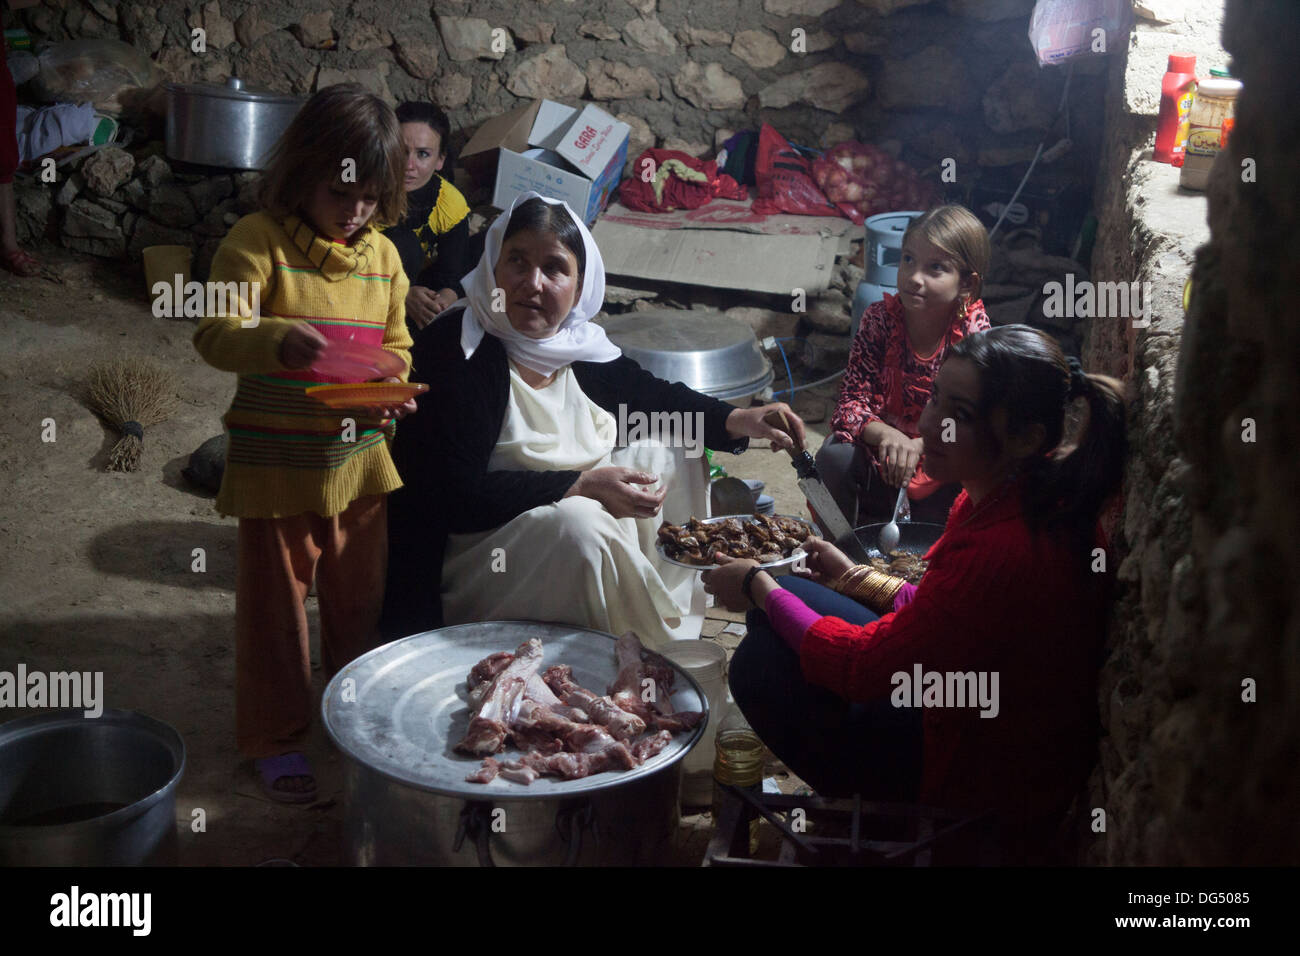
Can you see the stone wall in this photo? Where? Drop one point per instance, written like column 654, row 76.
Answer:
column 1198, row 696
column 931, row 81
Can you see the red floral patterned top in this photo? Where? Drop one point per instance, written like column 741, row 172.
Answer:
column 886, row 380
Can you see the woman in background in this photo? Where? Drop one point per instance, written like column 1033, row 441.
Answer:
column 433, row 238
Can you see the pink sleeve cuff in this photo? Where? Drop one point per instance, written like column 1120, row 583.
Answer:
column 904, row 596
column 790, row 617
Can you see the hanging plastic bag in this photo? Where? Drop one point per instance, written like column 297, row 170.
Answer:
column 1060, row 30
column 109, row 74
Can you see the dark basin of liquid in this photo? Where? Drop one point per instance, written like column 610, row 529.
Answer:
column 75, row 813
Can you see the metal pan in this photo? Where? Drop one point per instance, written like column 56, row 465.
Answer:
column 795, row 557
column 406, row 706
column 915, row 537
column 396, row 713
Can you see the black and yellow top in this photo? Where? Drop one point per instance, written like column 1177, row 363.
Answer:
column 433, row 238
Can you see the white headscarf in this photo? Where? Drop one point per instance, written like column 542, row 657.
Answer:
column 576, row 340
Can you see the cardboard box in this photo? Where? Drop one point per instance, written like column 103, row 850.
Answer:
column 556, row 150
column 723, row 245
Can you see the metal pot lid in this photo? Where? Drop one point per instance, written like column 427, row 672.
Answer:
column 233, row 89
column 406, row 707
column 705, row 350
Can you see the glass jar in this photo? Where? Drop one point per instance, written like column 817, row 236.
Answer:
column 1212, row 109
column 738, row 761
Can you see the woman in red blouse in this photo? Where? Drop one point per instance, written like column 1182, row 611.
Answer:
column 1010, row 615
column 875, row 446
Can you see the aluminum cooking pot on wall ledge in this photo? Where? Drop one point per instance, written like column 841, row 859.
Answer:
column 227, row 125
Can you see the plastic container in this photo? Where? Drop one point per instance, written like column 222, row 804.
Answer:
column 707, row 663
column 882, row 252
column 1211, row 109
column 1177, row 90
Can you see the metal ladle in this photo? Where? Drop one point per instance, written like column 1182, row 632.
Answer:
column 889, row 534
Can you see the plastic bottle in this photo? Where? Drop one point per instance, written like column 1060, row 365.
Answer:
column 1176, row 91
column 707, row 663
column 1212, row 107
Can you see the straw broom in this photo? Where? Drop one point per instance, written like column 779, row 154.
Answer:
column 129, row 394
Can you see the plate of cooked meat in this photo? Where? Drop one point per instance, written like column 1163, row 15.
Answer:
column 773, row 541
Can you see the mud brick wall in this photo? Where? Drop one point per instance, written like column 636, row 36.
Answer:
column 1191, row 773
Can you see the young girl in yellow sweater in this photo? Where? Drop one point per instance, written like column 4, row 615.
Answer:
column 307, row 484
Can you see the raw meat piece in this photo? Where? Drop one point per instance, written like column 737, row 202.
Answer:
column 647, row 747
column 519, row 772
column 489, row 728
column 633, row 672
column 549, row 716
column 603, row 710
column 488, row 668
column 536, row 739
column 574, row 766
column 482, row 674
column 486, row 773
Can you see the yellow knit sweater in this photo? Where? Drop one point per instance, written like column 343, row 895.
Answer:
column 287, row 453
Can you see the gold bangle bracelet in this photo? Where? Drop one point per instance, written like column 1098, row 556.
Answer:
column 844, row 583
column 877, row 591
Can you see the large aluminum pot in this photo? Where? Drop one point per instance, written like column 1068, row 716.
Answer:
column 225, row 125
column 80, row 791
column 396, row 713
column 711, row 353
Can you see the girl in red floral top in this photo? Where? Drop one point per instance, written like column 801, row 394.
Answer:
column 875, row 446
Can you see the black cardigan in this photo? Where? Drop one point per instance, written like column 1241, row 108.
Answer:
column 442, row 454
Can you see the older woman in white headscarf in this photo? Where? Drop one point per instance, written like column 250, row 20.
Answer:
column 513, row 468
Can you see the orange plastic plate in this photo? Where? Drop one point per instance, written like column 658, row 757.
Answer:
column 366, row 394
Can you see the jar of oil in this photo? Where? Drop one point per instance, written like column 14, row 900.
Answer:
column 738, row 761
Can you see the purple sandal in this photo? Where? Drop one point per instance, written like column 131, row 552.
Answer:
column 274, row 769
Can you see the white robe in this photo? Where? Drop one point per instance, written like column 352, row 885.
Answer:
column 571, row 561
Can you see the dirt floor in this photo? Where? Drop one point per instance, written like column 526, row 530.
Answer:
column 96, row 568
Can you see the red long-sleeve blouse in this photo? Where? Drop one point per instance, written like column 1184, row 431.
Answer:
column 996, row 598
column 885, row 379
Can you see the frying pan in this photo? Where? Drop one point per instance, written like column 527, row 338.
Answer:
column 915, row 537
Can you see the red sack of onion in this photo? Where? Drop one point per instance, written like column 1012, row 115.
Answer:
column 863, row 180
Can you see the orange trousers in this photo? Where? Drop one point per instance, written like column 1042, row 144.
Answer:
column 347, row 553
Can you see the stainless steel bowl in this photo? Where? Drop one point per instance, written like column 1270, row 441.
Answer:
column 705, row 350
column 79, row 791
column 226, row 125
